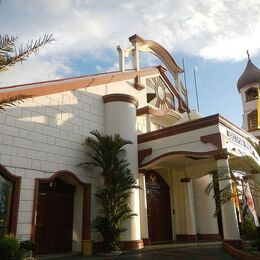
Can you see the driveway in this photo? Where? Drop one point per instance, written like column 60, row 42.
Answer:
column 194, row 253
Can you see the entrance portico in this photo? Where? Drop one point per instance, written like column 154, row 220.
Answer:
column 183, row 155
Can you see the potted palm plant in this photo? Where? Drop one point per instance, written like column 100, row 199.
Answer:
column 107, row 153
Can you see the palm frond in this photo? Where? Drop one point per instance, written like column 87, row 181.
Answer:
column 10, row 54
column 12, row 101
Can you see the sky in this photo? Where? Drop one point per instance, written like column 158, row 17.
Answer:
column 211, row 36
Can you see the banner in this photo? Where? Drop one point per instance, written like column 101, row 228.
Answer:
column 258, row 109
column 250, row 203
column 235, row 199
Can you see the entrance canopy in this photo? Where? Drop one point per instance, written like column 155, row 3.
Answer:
column 195, row 145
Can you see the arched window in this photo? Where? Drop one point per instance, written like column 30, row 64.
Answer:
column 252, row 121
column 251, row 94
column 9, row 200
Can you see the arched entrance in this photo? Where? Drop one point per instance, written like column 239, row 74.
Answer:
column 158, row 207
column 54, row 220
column 61, row 215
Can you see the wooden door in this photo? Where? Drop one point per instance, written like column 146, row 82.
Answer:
column 158, row 207
column 54, row 221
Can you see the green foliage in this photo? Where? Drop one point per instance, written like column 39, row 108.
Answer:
column 9, row 245
column 225, row 194
column 256, row 243
column 10, row 53
column 249, row 229
column 108, row 154
column 11, row 248
column 28, row 245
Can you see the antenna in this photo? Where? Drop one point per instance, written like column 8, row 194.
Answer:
column 187, row 98
column 196, row 88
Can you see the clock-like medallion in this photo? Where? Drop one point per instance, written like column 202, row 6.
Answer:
column 158, row 94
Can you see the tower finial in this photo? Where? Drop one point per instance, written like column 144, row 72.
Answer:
column 248, row 56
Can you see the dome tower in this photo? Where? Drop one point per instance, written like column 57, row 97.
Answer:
column 248, row 85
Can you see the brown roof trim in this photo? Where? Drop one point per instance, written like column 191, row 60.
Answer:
column 214, row 139
column 61, row 85
column 183, row 153
column 190, row 126
column 143, row 153
column 181, row 128
column 15, row 199
column 138, row 84
column 120, row 98
column 156, row 112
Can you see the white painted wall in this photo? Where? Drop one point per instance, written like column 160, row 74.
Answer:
column 44, row 135
column 205, row 207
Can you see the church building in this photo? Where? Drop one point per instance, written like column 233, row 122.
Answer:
column 47, row 197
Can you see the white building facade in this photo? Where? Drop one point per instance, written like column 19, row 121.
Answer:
column 47, row 197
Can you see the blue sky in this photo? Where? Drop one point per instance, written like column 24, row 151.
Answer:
column 211, row 35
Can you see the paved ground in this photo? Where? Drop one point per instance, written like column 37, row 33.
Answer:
column 194, row 253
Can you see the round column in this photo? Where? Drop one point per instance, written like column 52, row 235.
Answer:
column 190, row 230
column 207, row 224
column 120, row 118
column 143, row 210
column 228, row 211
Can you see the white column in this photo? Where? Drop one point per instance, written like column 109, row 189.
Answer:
column 136, row 56
column 205, row 206
column 121, row 59
column 228, row 211
column 120, row 118
column 256, row 195
column 189, row 216
column 143, row 209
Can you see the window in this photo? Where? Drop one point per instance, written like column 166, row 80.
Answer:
column 6, row 198
column 9, row 201
column 251, row 94
column 252, row 121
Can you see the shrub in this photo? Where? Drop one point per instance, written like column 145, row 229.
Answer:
column 8, row 247
column 249, row 229
column 27, row 245
column 256, row 243
column 11, row 248
column 108, row 154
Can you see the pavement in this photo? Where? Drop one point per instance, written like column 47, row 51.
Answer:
column 201, row 252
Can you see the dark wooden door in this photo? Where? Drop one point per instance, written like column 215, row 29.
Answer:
column 54, row 221
column 158, row 207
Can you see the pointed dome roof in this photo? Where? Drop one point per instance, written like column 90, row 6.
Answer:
column 251, row 74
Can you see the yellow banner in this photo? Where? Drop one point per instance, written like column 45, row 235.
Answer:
column 258, row 109
column 235, row 199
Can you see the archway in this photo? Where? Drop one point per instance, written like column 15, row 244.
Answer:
column 61, row 212
column 158, row 207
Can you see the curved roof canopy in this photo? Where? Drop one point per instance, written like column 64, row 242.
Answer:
column 251, row 74
column 159, row 51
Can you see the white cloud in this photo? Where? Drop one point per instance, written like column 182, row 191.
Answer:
column 219, row 30
column 34, row 71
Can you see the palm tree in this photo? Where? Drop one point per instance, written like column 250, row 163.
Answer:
column 11, row 54
column 108, row 154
